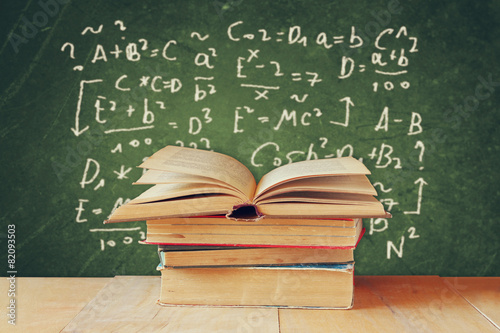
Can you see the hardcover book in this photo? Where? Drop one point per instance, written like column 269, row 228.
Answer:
column 295, row 286
column 271, row 232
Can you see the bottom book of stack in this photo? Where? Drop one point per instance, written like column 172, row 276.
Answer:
column 269, row 276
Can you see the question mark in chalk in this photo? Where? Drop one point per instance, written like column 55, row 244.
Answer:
column 324, row 141
column 71, row 54
column 207, row 142
column 120, row 23
column 71, row 49
column 420, row 145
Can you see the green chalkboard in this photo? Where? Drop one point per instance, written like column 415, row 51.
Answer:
column 90, row 88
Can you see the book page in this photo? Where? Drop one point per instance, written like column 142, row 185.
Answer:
column 203, row 163
column 323, row 197
column 319, row 210
column 321, row 167
column 172, row 191
column 199, row 205
column 338, row 184
column 167, row 177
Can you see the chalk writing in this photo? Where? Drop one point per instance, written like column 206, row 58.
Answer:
column 244, row 88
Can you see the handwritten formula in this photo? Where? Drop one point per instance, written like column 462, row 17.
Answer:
column 278, row 81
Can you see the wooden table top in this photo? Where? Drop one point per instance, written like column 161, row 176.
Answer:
column 128, row 303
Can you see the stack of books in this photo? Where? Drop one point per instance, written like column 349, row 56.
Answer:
column 225, row 240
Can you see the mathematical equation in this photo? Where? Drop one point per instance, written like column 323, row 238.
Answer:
column 139, row 101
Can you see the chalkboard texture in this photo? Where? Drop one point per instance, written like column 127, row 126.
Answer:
column 90, row 88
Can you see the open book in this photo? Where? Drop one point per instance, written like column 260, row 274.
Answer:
column 190, row 182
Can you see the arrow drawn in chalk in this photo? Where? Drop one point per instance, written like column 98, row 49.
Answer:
column 421, row 182
column 76, row 130
column 348, row 104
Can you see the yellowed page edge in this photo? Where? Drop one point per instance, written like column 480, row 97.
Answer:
column 172, row 191
column 151, row 177
column 356, row 184
column 203, row 163
column 320, row 167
